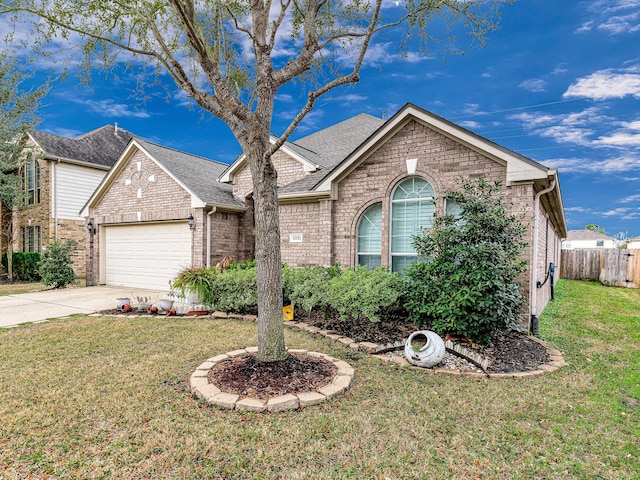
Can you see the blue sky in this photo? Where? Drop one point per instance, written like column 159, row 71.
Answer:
column 559, row 82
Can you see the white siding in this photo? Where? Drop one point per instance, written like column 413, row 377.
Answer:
column 74, row 186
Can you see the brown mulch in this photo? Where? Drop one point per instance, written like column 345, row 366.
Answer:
column 509, row 352
column 247, row 377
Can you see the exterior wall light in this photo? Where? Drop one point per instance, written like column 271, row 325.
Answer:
column 90, row 228
column 192, row 223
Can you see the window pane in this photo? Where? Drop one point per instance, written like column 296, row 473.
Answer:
column 400, row 262
column 371, row 261
column 412, row 209
column 369, row 241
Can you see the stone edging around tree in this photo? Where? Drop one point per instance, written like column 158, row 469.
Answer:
column 201, row 387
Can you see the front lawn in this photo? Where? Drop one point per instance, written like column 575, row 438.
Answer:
column 102, row 397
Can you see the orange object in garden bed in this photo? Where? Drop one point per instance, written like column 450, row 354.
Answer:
column 197, row 312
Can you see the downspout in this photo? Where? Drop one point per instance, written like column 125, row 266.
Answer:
column 54, row 203
column 533, row 289
column 211, row 212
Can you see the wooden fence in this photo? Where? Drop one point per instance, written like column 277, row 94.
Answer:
column 613, row 267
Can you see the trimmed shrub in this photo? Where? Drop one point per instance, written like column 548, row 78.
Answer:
column 25, row 266
column 55, row 265
column 466, row 281
column 235, row 291
column 310, row 288
column 362, row 292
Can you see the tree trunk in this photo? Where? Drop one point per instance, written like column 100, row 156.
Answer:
column 271, row 346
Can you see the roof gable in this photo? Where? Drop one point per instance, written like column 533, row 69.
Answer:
column 519, row 167
column 322, row 150
column 196, row 175
column 101, row 147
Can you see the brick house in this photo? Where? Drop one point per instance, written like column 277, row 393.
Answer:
column 353, row 193
column 58, row 179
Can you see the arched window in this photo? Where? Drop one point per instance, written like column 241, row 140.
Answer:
column 369, row 242
column 412, row 209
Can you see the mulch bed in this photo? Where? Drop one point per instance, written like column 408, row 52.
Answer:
column 509, row 352
column 247, row 377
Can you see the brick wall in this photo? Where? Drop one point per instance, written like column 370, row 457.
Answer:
column 288, row 170
column 440, row 162
column 161, row 200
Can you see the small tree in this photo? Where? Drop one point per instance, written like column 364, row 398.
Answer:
column 466, row 281
column 55, row 266
column 17, row 116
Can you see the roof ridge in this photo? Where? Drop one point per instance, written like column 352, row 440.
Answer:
column 135, row 137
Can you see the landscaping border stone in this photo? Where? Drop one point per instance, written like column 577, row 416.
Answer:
column 201, row 388
column 556, row 359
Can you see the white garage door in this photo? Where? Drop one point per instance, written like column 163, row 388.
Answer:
column 147, row 255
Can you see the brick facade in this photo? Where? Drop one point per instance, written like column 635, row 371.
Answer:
column 159, row 201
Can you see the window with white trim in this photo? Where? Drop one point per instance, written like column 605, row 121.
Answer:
column 412, row 209
column 31, row 239
column 369, row 238
column 31, row 181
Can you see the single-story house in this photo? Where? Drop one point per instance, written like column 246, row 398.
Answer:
column 577, row 239
column 353, row 193
column 58, row 179
column 633, row 243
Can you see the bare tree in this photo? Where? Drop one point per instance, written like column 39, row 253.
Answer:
column 227, row 55
column 17, row 116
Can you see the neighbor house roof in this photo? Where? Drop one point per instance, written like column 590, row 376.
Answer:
column 587, row 235
column 100, row 147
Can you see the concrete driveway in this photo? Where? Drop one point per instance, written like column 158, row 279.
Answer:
column 39, row 306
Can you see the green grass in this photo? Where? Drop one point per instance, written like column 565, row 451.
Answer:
column 100, row 397
column 20, row 287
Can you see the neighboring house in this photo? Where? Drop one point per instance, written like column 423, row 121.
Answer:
column 58, row 179
column 354, row 193
column 633, row 243
column 578, row 239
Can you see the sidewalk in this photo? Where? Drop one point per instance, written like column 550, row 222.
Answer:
column 40, row 306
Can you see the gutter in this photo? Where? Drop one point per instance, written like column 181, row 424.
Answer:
column 533, row 290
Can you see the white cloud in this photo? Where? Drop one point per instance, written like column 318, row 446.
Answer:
column 630, row 198
column 621, row 24
column 470, row 124
column 534, row 85
column 612, row 165
column 615, row 17
column 108, row 108
column 605, row 84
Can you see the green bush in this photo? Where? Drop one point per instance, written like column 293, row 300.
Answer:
column 235, row 291
column 246, row 265
column 196, row 280
column 310, row 288
column 55, row 265
column 466, row 282
column 362, row 292
column 25, row 266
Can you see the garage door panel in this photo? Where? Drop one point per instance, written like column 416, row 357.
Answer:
column 146, row 255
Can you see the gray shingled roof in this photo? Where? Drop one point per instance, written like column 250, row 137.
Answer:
column 332, row 145
column 587, row 235
column 99, row 147
column 198, row 174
